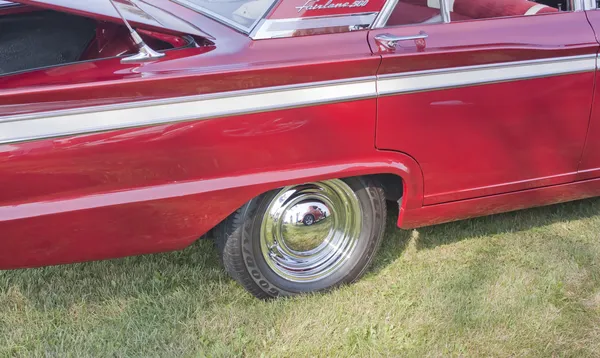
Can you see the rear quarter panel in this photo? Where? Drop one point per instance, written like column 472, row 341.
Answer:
column 157, row 188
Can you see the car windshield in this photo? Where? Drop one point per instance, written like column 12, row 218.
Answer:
column 241, row 14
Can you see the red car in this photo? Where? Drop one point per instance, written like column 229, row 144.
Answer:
column 313, row 215
column 234, row 116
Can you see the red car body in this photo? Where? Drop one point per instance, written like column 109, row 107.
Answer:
column 102, row 159
column 313, row 215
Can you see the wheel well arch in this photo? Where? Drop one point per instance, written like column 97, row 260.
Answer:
column 392, row 184
column 399, row 175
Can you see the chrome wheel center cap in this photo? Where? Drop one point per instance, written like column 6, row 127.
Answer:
column 310, row 230
column 306, row 227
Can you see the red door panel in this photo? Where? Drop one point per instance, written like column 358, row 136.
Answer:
column 590, row 161
column 508, row 110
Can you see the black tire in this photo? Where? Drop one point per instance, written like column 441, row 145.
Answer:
column 308, row 220
column 238, row 240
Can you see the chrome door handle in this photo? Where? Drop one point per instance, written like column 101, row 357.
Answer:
column 390, row 41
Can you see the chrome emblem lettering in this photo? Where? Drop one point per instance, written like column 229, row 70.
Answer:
column 330, row 4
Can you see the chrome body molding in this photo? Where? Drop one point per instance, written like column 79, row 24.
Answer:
column 474, row 75
column 44, row 125
column 268, row 28
column 7, row 4
column 104, row 118
column 445, row 9
column 384, row 14
column 330, row 4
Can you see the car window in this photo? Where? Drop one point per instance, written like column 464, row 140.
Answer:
column 242, row 14
column 409, row 12
column 46, row 39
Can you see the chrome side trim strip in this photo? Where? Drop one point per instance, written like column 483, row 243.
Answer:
column 445, row 9
column 268, row 28
column 8, row 4
column 104, row 118
column 20, row 128
column 474, row 75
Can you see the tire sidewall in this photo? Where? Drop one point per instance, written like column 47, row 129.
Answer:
column 312, row 221
column 373, row 219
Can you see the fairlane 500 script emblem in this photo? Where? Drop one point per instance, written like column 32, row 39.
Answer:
column 330, row 4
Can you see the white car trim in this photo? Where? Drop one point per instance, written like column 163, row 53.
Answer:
column 475, row 75
column 105, row 118
column 62, row 123
column 278, row 28
column 535, row 9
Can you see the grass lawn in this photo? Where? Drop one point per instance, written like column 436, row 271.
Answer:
column 517, row 284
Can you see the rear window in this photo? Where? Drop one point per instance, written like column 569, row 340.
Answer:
column 241, row 14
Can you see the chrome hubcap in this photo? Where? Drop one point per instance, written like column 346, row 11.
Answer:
column 310, row 230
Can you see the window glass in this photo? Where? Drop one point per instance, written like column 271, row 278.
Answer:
column 485, row 9
column 416, row 11
column 408, row 12
column 240, row 13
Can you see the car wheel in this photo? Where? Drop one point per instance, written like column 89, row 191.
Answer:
column 267, row 249
column 308, row 220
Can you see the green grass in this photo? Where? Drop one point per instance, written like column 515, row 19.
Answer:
column 306, row 237
column 517, row 284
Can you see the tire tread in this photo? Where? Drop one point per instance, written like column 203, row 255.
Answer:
column 228, row 240
column 230, row 233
